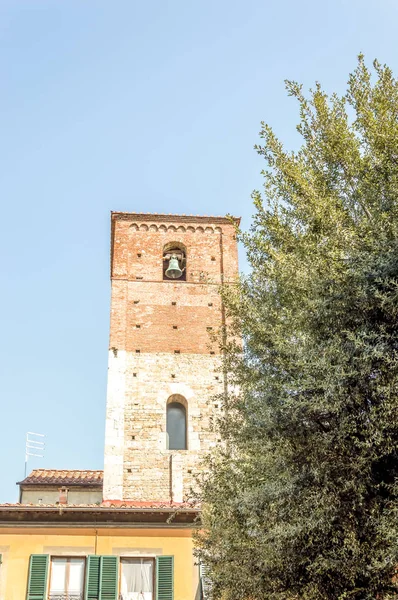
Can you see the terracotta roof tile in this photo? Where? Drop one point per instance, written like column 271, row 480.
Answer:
column 63, row 477
column 149, row 504
column 110, row 504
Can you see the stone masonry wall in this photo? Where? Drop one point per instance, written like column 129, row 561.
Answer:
column 160, row 345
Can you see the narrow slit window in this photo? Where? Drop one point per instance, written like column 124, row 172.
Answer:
column 176, row 426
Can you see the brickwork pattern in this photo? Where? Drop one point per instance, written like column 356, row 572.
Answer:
column 160, row 345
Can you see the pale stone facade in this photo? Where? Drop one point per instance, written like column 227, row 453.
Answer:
column 161, row 348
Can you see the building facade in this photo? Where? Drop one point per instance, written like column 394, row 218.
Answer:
column 126, row 533
column 97, row 552
column 164, row 361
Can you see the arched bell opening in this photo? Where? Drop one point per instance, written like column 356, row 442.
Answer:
column 174, row 262
column 177, row 423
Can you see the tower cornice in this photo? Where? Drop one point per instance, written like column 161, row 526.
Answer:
column 159, row 218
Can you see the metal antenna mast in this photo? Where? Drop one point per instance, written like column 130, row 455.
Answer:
column 32, row 446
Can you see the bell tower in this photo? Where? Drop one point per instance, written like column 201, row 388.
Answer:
column 163, row 374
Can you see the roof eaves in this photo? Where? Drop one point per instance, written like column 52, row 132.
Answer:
column 93, row 508
column 181, row 218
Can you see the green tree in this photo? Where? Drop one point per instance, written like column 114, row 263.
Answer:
column 301, row 497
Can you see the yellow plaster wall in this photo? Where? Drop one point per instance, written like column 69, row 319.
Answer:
column 16, row 546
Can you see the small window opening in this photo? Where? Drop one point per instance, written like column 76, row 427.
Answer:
column 175, row 327
column 138, row 326
column 174, row 304
column 174, row 262
column 210, row 304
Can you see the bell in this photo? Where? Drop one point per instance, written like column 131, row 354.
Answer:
column 173, row 270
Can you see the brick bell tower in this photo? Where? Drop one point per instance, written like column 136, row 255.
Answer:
column 163, row 370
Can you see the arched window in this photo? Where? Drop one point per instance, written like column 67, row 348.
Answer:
column 176, row 423
column 174, row 262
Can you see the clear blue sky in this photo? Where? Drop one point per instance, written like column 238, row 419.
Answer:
column 131, row 106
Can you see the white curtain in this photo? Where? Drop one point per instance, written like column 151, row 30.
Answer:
column 137, row 579
column 58, row 575
column 76, row 575
column 67, row 575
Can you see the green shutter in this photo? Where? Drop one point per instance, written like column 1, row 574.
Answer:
column 109, row 578
column 164, row 577
column 37, row 582
column 92, row 577
column 102, row 578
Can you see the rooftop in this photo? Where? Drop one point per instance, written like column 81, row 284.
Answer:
column 172, row 217
column 107, row 504
column 63, row 477
column 108, row 514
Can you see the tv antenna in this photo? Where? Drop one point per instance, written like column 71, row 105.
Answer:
column 33, row 446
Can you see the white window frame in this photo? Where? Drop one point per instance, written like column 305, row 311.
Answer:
column 66, row 595
column 138, row 558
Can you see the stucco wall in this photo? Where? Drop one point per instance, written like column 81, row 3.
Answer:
column 16, row 546
column 51, row 496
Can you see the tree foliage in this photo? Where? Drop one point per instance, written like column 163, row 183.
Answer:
column 300, row 501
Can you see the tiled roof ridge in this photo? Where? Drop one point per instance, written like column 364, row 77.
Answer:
column 108, row 504
column 166, row 216
column 65, row 471
column 146, row 214
column 66, row 476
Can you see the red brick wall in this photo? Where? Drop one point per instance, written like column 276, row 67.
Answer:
column 142, row 314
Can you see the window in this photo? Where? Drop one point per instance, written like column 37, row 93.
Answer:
column 61, row 578
column 136, row 581
column 67, row 578
column 176, row 423
column 174, row 262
